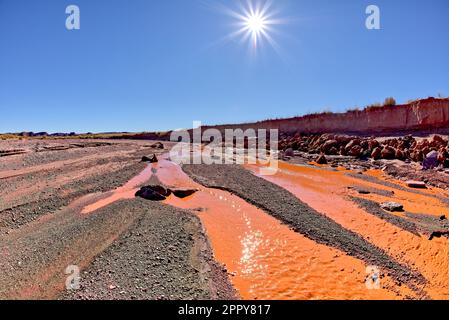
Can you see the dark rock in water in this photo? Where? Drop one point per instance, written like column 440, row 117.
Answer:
column 183, row 193
column 160, row 193
column 392, row 206
column 157, row 145
column 152, row 159
column 438, row 234
column 430, row 161
column 321, row 159
column 153, row 193
column 161, row 190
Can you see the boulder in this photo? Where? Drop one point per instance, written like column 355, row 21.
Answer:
column 333, row 151
column 417, row 156
column 328, row 145
column 373, row 144
column 355, row 151
column 364, row 144
column 183, row 193
column 289, row 152
column 321, row 159
column 392, row 206
column 437, row 140
column 351, row 144
column 377, row 153
column 442, row 156
column 343, row 140
column 388, row 153
column 153, row 193
column 430, row 161
column 400, row 154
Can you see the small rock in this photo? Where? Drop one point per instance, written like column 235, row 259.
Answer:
column 152, row 159
column 321, row 159
column 153, row 193
column 392, row 206
column 416, row 184
column 157, row 145
column 289, row 153
column 183, row 193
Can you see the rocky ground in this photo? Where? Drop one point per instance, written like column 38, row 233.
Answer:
column 405, row 148
column 163, row 255
column 71, row 202
column 403, row 157
column 129, row 249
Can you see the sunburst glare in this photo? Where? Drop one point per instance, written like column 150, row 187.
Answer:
column 255, row 22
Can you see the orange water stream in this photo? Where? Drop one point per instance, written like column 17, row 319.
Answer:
column 266, row 258
column 127, row 191
column 326, row 191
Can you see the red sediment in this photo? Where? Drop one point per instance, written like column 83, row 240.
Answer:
column 326, row 191
column 267, row 260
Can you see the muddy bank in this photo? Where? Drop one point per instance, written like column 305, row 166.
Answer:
column 303, row 219
column 163, row 255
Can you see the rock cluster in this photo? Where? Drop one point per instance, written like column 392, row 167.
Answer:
column 432, row 152
column 160, row 192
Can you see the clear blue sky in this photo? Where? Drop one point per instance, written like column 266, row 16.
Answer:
column 145, row 65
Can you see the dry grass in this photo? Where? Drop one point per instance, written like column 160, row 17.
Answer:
column 8, row 136
column 390, row 102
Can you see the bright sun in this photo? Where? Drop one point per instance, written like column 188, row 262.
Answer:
column 256, row 23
